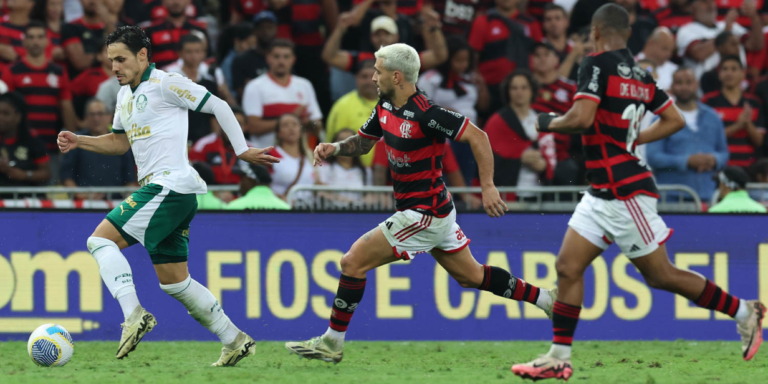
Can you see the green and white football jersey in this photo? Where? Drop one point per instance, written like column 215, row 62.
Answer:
column 154, row 117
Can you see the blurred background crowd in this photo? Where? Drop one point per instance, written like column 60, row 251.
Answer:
column 298, row 72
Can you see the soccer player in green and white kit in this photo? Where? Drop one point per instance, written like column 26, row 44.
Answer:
column 151, row 118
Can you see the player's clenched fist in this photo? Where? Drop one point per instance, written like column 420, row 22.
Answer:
column 259, row 156
column 323, row 151
column 67, row 141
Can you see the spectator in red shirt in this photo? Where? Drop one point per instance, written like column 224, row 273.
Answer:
column 83, row 37
column 502, row 43
column 51, row 12
column 86, row 84
column 674, row 16
column 12, row 30
column 384, row 32
column 556, row 94
column 23, row 161
column 741, row 112
column 521, row 154
column 457, row 15
column 165, row 33
column 45, row 87
column 216, row 151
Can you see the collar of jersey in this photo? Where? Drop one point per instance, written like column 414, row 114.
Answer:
column 145, row 75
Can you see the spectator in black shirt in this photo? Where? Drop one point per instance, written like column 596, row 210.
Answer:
column 642, row 26
column 23, row 160
column 726, row 44
column 253, row 63
column 81, row 168
column 83, row 37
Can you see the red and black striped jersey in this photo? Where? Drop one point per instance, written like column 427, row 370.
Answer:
column 723, row 6
column 536, row 8
column 300, row 22
column 624, row 92
column 54, row 41
column 457, row 15
column 24, row 152
column 743, row 153
column 43, row 89
column 165, row 36
column 501, row 42
column 414, row 139
column 672, row 18
column 13, row 35
column 78, row 31
column 555, row 97
column 406, row 7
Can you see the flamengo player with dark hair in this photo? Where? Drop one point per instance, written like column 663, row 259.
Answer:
column 613, row 95
column 414, row 131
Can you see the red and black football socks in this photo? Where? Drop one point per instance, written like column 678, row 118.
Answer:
column 348, row 297
column 565, row 317
column 502, row 283
column 717, row 299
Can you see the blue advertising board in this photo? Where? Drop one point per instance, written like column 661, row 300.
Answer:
column 276, row 274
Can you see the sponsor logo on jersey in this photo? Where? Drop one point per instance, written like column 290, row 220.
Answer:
column 405, row 130
column 561, row 95
column 154, row 80
column 639, row 72
column 632, row 91
column 408, row 114
column 141, row 103
column 455, row 114
column 383, row 120
column 52, row 80
column 387, row 105
column 593, row 86
column 459, row 11
column 399, row 162
column 135, row 132
column 21, row 153
column 624, row 70
column 183, row 93
column 433, row 124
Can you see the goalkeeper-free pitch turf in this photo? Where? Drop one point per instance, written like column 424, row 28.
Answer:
column 391, row 362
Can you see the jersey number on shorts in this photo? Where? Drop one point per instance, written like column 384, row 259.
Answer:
column 634, row 113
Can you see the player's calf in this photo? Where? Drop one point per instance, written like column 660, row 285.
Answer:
column 502, row 283
column 204, row 308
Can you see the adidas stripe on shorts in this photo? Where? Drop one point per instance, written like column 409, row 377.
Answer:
column 633, row 224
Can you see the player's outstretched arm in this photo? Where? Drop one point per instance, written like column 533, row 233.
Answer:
column 580, row 117
column 670, row 121
column 481, row 148
column 353, row 146
column 109, row 144
column 231, row 128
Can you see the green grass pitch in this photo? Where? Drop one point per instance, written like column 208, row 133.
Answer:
column 391, row 362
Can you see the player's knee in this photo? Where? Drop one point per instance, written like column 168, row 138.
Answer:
column 350, row 265
column 663, row 281
column 566, row 270
column 93, row 243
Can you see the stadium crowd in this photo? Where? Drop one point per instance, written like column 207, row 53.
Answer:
column 298, row 72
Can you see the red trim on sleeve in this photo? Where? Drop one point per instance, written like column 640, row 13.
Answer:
column 663, row 107
column 582, row 95
column 462, row 129
column 367, row 136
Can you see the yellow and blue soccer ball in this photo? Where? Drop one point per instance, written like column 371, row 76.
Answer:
column 50, row 345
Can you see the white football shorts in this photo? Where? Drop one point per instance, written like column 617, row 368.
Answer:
column 633, row 224
column 411, row 233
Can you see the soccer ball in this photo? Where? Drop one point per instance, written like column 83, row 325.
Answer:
column 50, row 345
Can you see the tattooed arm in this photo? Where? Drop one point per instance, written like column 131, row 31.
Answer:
column 353, row 146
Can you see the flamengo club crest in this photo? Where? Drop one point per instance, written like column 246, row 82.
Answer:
column 405, row 130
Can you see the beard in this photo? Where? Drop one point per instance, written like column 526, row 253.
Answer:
column 386, row 94
column 685, row 99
